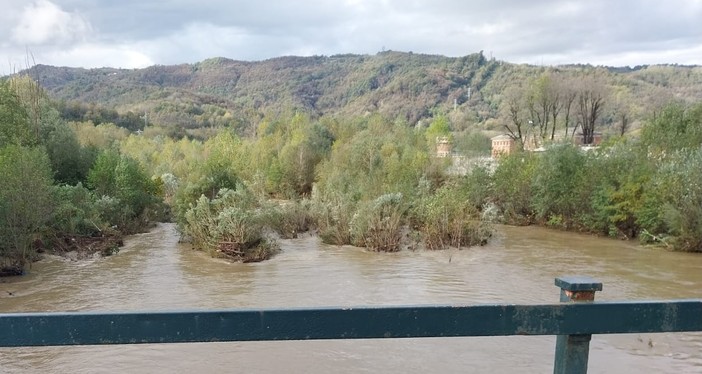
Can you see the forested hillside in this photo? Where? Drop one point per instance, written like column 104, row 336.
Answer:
column 471, row 90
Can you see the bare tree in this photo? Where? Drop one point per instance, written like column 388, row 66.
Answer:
column 514, row 98
column 543, row 103
column 566, row 95
column 622, row 110
column 590, row 102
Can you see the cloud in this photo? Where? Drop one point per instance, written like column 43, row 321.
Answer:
column 43, row 22
column 93, row 55
column 130, row 33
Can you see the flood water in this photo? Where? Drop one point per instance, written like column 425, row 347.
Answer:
column 154, row 272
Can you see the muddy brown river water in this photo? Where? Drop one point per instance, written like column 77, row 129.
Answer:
column 154, row 272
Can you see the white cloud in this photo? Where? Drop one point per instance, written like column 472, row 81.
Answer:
column 43, row 22
column 95, row 55
column 132, row 33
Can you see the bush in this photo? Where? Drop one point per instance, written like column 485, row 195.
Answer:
column 333, row 217
column 230, row 225
column 120, row 180
column 447, row 219
column 26, row 203
column 377, row 225
column 559, row 185
column 677, row 188
column 291, row 218
column 512, row 187
column 77, row 212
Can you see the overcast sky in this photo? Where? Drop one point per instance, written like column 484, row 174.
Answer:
column 138, row 33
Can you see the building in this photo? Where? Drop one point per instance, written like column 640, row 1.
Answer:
column 443, row 147
column 579, row 139
column 503, row 145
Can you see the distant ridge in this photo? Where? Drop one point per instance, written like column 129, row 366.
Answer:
column 399, row 85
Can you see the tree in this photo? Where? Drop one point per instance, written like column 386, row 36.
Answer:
column 121, row 177
column 622, row 110
column 543, row 103
column 590, row 102
column 14, row 120
column 675, row 127
column 438, row 128
column 25, row 202
column 674, row 201
column 567, row 94
column 69, row 161
column 101, row 177
column 298, row 158
column 559, row 191
column 515, row 111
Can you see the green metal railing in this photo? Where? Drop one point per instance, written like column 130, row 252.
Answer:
column 574, row 320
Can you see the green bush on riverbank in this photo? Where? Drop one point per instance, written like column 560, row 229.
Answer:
column 44, row 205
column 648, row 188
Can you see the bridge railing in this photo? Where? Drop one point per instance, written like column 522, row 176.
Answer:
column 574, row 320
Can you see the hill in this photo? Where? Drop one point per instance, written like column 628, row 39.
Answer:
column 405, row 86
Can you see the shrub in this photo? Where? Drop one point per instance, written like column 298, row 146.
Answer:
column 333, row 217
column 77, row 211
column 559, row 185
column 677, row 187
column 447, row 219
column 230, row 225
column 291, row 218
column 377, row 225
column 512, row 187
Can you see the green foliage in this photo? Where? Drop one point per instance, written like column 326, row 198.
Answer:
column 121, row 181
column 377, row 224
column 678, row 186
column 447, row 219
column 559, row 185
column 188, row 100
column 477, row 186
column 230, row 225
column 36, row 143
column 512, row 187
column 15, row 127
column 102, row 176
column 262, row 133
column 215, row 176
column 26, row 202
column 291, row 218
column 376, row 161
column 438, row 128
column 676, row 127
column 618, row 176
column 78, row 112
column 649, row 188
column 297, row 159
column 69, row 160
column 333, row 212
column 77, row 212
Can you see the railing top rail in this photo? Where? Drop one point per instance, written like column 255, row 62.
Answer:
column 88, row 328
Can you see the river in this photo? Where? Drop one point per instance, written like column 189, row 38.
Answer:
column 155, row 272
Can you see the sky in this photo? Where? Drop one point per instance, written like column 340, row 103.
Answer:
column 139, row 33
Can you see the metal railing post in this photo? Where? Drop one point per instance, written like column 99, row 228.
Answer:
column 572, row 351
